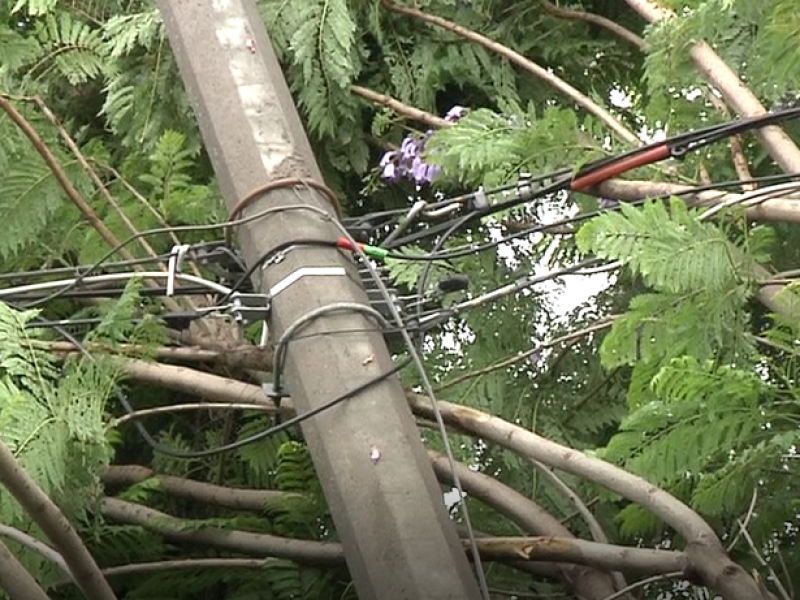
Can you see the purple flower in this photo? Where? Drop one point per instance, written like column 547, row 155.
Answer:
column 387, row 158
column 408, row 148
column 418, row 169
column 455, row 113
column 389, row 172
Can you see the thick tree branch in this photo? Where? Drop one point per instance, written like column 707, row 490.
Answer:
column 55, row 526
column 735, row 93
column 554, row 81
column 600, row 556
column 243, row 355
column 545, row 549
column 190, row 381
column 15, row 579
column 785, row 208
column 600, row 21
column 530, row 518
column 217, row 495
column 401, row 108
column 708, row 558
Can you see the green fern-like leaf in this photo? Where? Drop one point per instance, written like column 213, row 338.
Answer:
column 671, row 249
column 72, row 47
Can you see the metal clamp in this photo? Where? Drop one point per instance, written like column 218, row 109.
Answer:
column 247, row 308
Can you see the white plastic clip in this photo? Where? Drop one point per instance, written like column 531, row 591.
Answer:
column 176, row 257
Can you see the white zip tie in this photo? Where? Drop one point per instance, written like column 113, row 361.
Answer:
column 176, row 257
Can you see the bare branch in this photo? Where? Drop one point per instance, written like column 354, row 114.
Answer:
column 545, row 549
column 217, row 495
column 261, row 544
column 644, row 582
column 400, row 108
column 37, row 546
column 598, row 535
column 15, row 579
column 600, row 21
column 240, row 355
column 531, row 518
column 190, row 381
column 71, row 191
column 601, row 556
column 554, row 81
column 735, row 93
column 776, row 580
column 55, row 526
column 786, row 208
column 705, row 552
column 70, row 143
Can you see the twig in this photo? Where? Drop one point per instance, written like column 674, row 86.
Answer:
column 644, row 582
column 62, row 178
column 91, row 172
column 400, row 108
column 569, row 338
column 556, row 82
column 185, row 563
column 158, row 410
column 55, row 526
column 775, row 579
column 598, row 535
column 580, row 15
column 157, row 215
column 747, row 517
column 37, row 546
column 15, row 579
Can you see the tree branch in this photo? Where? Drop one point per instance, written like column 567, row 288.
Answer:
column 530, row 518
column 31, row 543
column 784, row 209
column 735, row 93
column 208, row 493
column 707, row 557
column 55, row 168
column 600, row 21
column 15, row 579
column 401, row 108
column 190, row 381
column 554, row 81
column 242, row 355
column 70, row 143
column 545, row 549
column 55, row 526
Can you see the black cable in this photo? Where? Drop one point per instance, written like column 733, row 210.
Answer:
column 466, row 250
column 167, row 450
column 243, row 279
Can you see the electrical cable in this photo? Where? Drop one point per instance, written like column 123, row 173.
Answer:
column 169, row 451
column 71, row 283
column 279, row 356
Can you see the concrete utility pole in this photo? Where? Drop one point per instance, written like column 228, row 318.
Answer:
column 386, row 503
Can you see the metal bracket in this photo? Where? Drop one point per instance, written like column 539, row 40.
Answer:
column 271, row 393
column 248, row 308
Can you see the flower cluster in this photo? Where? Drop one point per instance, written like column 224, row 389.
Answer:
column 407, row 162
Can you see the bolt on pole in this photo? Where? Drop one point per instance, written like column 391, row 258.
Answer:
column 386, row 503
